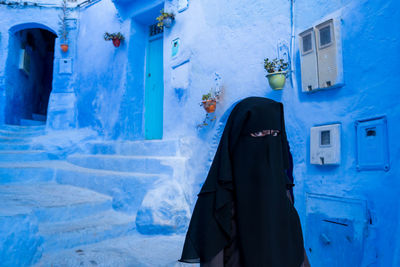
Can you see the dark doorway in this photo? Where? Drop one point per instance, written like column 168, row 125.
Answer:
column 29, row 76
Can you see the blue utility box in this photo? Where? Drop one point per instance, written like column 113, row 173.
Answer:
column 372, row 144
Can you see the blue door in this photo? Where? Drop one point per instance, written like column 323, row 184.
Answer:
column 154, row 90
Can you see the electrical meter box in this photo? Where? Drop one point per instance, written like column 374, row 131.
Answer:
column 372, row 144
column 180, row 75
column 309, row 73
column 325, row 144
column 335, row 230
column 321, row 56
column 65, row 66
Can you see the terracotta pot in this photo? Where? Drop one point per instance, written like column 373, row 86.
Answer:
column 209, row 105
column 64, row 47
column 116, row 42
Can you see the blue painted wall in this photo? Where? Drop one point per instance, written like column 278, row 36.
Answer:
column 369, row 50
column 105, row 92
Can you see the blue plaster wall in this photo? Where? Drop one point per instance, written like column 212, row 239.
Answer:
column 100, row 74
column 369, row 50
column 105, row 90
column 62, row 102
column 232, row 39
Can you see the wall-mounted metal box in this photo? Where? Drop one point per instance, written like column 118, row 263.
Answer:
column 309, row 65
column 65, row 66
column 325, row 144
column 183, row 5
column 321, row 55
column 175, row 47
column 335, row 230
column 372, row 144
column 180, row 75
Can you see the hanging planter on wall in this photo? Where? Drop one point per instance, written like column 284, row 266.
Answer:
column 165, row 19
column 209, row 105
column 209, row 102
column 63, row 22
column 276, row 72
column 64, row 47
column 115, row 37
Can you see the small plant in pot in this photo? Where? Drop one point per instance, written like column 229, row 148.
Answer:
column 165, row 19
column 277, row 70
column 209, row 101
column 116, row 38
column 63, row 23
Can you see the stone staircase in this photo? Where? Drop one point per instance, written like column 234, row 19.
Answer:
column 54, row 211
column 154, row 170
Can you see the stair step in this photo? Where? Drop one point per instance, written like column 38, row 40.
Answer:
column 126, row 189
column 14, row 139
column 142, row 164
column 22, row 128
column 135, row 148
column 133, row 250
column 15, row 146
column 39, row 117
column 51, row 202
column 25, row 155
column 85, row 230
column 28, row 122
column 26, row 172
column 20, row 134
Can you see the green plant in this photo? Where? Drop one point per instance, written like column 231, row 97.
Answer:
column 275, row 65
column 113, row 36
column 63, row 22
column 163, row 16
column 206, row 97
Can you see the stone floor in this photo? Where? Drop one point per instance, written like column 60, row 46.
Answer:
column 134, row 250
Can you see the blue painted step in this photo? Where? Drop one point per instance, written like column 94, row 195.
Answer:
column 25, row 155
column 135, row 148
column 50, row 202
column 21, row 134
column 18, row 128
column 142, row 164
column 28, row 122
column 15, row 146
column 27, row 172
column 128, row 251
column 14, row 139
column 85, row 230
column 126, row 189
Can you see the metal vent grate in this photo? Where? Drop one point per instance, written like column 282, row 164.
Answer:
column 154, row 30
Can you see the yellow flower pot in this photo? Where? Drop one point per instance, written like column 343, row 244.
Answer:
column 277, row 80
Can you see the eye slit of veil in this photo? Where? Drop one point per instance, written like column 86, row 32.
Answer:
column 265, row 132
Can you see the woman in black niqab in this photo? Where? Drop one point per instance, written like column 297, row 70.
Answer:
column 243, row 204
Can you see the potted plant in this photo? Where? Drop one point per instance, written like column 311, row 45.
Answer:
column 116, row 38
column 63, row 23
column 277, row 70
column 165, row 19
column 209, row 101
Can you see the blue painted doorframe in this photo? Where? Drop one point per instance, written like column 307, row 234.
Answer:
column 154, row 89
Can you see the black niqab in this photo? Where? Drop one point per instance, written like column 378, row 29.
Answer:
column 248, row 172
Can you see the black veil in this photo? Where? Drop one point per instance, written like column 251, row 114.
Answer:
column 248, row 174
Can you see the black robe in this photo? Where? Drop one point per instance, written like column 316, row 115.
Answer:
column 249, row 173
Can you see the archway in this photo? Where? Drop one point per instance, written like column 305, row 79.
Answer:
column 29, row 74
